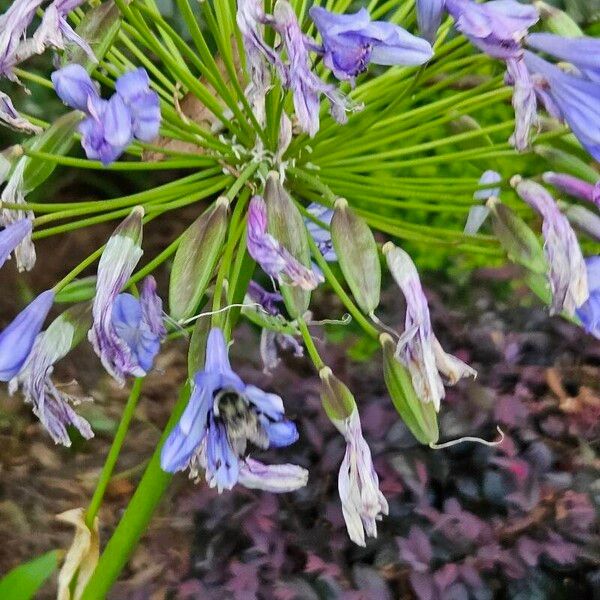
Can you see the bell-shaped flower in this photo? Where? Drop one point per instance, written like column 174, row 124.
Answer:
column 589, row 311
column 320, row 235
column 429, row 17
column 363, row 504
column 351, row 42
column 223, row 415
column 571, row 98
column 418, row 348
column 74, row 86
column 51, row 404
column 17, row 339
column 567, row 272
column 574, row 186
column 11, row 236
column 274, row 259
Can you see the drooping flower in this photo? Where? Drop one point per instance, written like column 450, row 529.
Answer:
column 363, row 504
column 274, row 259
column 320, row 235
column 570, row 98
column 10, row 116
column 351, row 42
column 429, row 17
column 589, row 311
column 17, row 339
column 11, row 236
column 50, row 404
column 567, row 272
column 418, row 348
column 222, row 416
column 574, row 187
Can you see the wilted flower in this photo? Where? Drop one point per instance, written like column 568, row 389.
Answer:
column 274, row 342
column 363, row 504
column 574, row 187
column 17, row 339
column 222, row 416
column 351, row 42
column 11, row 236
column 418, row 348
column 267, row 300
column 10, row 117
column 524, row 101
column 271, row 478
column 567, row 273
column 589, row 311
column 320, row 235
column 274, row 259
column 429, row 17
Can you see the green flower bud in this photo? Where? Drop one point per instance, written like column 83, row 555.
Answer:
column 420, row 417
column 196, row 258
column 357, row 254
column 567, row 163
column 558, row 21
column 337, row 399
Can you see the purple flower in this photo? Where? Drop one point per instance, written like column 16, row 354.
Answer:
column 11, row 236
column 75, row 87
column 429, row 17
column 274, row 342
column 10, row 116
column 17, row 339
column 567, row 272
column 575, row 100
column 271, row 478
column 351, row 42
column 479, row 213
column 589, row 311
column 267, row 300
column 222, row 416
column 524, row 101
column 320, row 235
column 274, row 259
column 574, row 187
column 583, row 52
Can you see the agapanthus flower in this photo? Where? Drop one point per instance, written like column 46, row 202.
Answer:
column 569, row 97
column 352, row 41
column 11, row 236
column 10, row 116
column 320, row 235
column 567, row 272
column 589, row 311
column 274, row 259
column 17, row 339
column 74, row 86
column 524, row 101
column 223, row 415
column 363, row 504
column 267, row 300
column 418, row 348
column 52, row 406
column 574, row 186
column 429, row 17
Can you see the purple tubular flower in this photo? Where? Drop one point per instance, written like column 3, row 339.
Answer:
column 429, row 17
column 11, row 236
column 320, row 235
column 268, row 300
column 222, row 416
column 74, row 86
column 351, row 42
column 589, row 311
column 143, row 103
column 16, row 340
column 576, row 100
column 583, row 52
column 274, row 259
column 574, row 187
column 495, row 27
column 567, row 272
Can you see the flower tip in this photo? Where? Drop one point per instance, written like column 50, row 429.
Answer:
column 325, row 373
column 515, row 180
column 387, row 247
column 223, row 201
column 273, row 176
column 492, row 201
column 341, row 204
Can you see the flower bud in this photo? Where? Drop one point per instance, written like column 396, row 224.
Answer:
column 515, row 236
column 573, row 186
column 420, row 417
column 564, row 162
column 357, row 254
column 557, row 21
column 196, row 258
column 337, row 399
column 285, row 224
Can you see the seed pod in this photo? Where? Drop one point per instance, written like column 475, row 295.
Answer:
column 563, row 161
column 420, row 417
column 196, row 258
column 357, row 254
column 558, row 21
column 68, row 330
column 337, row 399
column 519, row 241
column 286, row 224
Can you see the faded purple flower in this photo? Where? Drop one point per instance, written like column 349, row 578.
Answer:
column 589, row 311
column 222, row 416
column 429, row 17
column 274, row 342
column 574, row 187
column 274, row 259
column 524, row 101
column 17, row 339
column 267, row 300
column 363, row 504
column 74, row 86
column 11, row 236
column 320, row 235
column 10, row 116
column 351, row 42
column 567, row 272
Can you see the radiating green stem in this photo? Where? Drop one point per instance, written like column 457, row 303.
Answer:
column 310, row 345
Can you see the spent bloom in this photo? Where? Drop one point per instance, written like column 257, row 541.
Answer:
column 418, row 348
column 223, row 415
column 567, row 272
column 351, row 42
column 17, row 339
column 589, row 311
column 574, row 186
column 268, row 252
column 478, row 213
column 11, row 236
column 10, row 116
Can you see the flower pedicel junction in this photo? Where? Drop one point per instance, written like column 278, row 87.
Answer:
column 320, row 146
